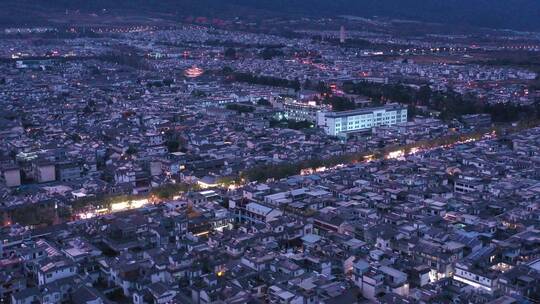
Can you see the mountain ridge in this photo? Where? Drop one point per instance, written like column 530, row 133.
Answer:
column 511, row 14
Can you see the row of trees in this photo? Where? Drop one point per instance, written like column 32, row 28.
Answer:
column 267, row 53
column 168, row 191
column 240, row 108
column 125, row 55
column 105, row 201
column 175, row 141
column 278, row 171
column 450, row 104
column 339, row 103
column 262, row 80
column 34, row 215
column 49, row 214
column 291, row 124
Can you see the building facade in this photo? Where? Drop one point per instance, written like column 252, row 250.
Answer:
column 12, row 176
column 302, row 111
column 340, row 123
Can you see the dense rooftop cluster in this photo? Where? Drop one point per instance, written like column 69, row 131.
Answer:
column 458, row 223
column 199, row 164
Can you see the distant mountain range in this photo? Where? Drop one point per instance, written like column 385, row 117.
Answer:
column 512, row 14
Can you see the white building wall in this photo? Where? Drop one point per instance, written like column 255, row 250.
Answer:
column 474, row 279
column 46, row 173
column 45, row 278
column 12, row 178
column 335, row 124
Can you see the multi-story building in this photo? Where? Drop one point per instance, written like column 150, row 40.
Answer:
column 341, row 123
column 44, row 172
column 68, row 171
column 254, row 212
column 12, row 175
column 383, row 279
column 478, row 278
column 300, row 111
column 54, row 269
column 463, row 185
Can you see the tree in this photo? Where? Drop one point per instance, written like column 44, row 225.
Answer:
column 75, row 137
column 240, row 108
column 411, row 111
column 34, row 215
column 307, row 84
column 88, row 110
column 227, row 70
column 168, row 191
column 291, row 124
column 131, row 150
column 230, row 53
column 424, row 94
column 340, row 103
column 298, row 125
column 264, row 102
column 269, row 53
column 173, row 145
column 168, row 81
column 322, row 87
column 267, row 80
column 198, row 93
column 296, row 85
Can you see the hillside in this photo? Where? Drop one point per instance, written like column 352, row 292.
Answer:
column 514, row 14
